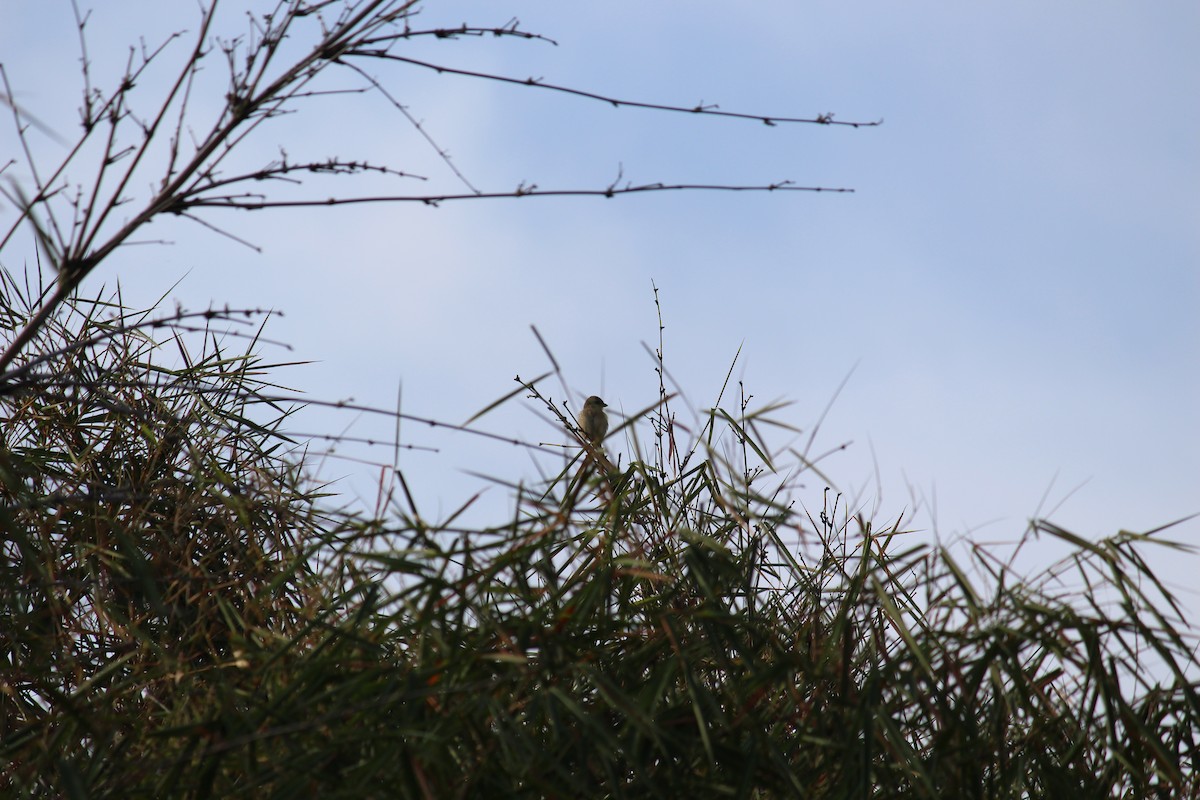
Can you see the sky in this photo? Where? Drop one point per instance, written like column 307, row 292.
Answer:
column 1010, row 294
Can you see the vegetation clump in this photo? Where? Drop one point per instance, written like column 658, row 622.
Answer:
column 187, row 614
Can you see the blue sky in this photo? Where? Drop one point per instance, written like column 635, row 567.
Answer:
column 1014, row 283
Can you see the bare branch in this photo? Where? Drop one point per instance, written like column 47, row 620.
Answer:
column 712, row 111
column 221, row 231
column 248, row 203
column 442, row 154
column 279, row 170
column 511, row 29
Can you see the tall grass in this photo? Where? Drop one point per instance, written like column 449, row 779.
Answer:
column 183, row 613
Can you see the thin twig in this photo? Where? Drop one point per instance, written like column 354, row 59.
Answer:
column 615, row 102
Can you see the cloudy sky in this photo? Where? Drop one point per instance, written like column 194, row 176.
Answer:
column 1014, row 283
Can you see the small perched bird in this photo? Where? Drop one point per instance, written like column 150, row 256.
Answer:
column 592, row 419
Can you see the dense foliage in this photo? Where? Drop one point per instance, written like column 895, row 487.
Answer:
column 185, row 615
